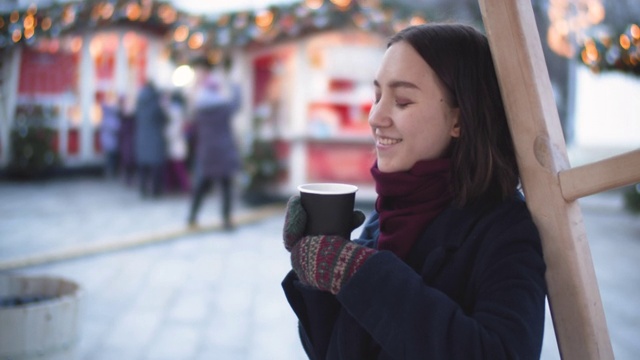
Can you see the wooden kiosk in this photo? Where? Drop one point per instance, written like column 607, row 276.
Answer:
column 550, row 185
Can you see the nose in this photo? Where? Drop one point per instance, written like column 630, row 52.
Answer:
column 379, row 115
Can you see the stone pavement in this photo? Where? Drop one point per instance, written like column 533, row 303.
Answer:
column 154, row 289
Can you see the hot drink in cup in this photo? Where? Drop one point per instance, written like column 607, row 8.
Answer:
column 329, row 208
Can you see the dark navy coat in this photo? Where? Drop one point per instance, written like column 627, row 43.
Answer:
column 150, row 144
column 473, row 287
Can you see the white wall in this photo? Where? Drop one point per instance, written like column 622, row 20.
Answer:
column 607, row 115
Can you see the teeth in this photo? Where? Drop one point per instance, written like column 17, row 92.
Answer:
column 388, row 141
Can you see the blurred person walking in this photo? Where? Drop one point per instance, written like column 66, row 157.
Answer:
column 175, row 132
column 109, row 129
column 126, row 140
column 150, row 143
column 213, row 104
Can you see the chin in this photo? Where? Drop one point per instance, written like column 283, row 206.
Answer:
column 385, row 167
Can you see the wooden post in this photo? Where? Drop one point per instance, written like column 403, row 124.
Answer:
column 574, row 298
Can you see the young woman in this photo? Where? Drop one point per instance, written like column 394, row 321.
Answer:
column 449, row 265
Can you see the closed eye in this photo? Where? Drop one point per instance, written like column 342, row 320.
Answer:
column 403, row 103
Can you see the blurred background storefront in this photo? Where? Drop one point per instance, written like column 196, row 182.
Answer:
column 305, row 68
column 59, row 81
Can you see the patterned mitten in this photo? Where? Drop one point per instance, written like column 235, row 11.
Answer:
column 327, row 262
column 295, row 221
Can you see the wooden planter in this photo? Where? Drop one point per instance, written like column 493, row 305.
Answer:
column 39, row 318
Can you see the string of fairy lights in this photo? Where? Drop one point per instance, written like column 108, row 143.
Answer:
column 569, row 34
column 621, row 52
column 573, row 32
column 187, row 34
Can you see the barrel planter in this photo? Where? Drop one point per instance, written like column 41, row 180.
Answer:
column 39, row 318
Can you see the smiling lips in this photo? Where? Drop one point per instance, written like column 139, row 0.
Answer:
column 385, row 141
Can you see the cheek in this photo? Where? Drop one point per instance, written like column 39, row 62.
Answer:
column 429, row 142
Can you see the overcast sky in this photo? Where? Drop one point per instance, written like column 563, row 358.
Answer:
column 194, row 6
column 218, row 6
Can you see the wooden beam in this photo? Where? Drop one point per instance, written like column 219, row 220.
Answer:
column 600, row 176
column 574, row 298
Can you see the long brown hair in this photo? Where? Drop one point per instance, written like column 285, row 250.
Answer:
column 483, row 157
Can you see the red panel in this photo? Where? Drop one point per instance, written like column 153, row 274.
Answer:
column 341, row 85
column 97, row 145
column 73, row 142
column 340, row 162
column 366, row 108
column 55, row 141
column 262, row 77
column 47, row 73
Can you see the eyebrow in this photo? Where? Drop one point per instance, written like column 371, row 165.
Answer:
column 398, row 84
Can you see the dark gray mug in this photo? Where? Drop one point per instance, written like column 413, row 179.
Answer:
column 329, row 207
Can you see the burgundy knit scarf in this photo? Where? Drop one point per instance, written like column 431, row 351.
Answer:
column 408, row 201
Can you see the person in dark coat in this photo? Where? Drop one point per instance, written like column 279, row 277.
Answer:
column 214, row 103
column 449, row 265
column 126, row 139
column 150, row 143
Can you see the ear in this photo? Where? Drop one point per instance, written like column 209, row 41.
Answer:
column 455, row 129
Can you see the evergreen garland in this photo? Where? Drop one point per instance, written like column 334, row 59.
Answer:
column 32, row 151
column 619, row 52
column 191, row 35
column 632, row 198
column 261, row 166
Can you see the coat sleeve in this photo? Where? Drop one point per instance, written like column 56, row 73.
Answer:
column 412, row 320
column 316, row 311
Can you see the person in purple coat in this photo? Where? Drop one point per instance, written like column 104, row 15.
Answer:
column 213, row 105
column 109, row 129
column 449, row 264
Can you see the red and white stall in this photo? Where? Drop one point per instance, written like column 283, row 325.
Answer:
column 312, row 98
column 57, row 83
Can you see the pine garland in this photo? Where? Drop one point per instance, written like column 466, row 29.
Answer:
column 619, row 52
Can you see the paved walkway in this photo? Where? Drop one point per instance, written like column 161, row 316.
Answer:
column 154, row 289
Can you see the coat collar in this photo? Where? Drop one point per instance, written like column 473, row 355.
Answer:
column 443, row 237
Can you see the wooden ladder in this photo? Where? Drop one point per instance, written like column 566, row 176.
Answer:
column 551, row 187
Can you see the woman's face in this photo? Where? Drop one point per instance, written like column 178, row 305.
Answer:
column 411, row 119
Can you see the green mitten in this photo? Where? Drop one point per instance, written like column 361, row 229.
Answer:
column 327, row 262
column 295, row 220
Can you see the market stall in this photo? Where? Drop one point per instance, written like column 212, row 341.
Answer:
column 311, row 102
